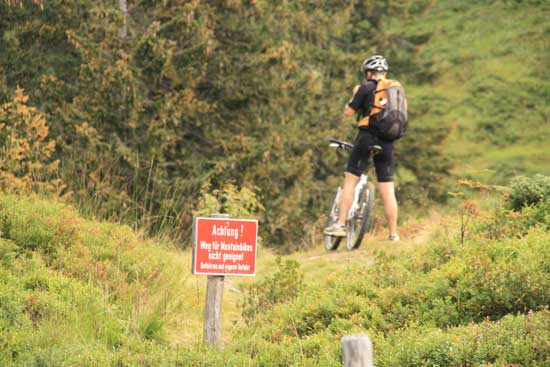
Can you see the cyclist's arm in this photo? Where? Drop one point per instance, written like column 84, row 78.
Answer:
column 352, row 106
column 348, row 111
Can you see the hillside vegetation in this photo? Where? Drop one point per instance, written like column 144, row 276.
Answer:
column 487, row 79
column 81, row 292
column 147, row 110
column 116, row 128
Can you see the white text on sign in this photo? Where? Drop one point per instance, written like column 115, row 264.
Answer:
column 225, row 246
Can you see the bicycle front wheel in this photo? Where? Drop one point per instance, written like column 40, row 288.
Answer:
column 332, row 242
column 360, row 224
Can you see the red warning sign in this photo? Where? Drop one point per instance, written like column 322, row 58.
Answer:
column 223, row 246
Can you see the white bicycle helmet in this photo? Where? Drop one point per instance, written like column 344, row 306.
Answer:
column 375, row 63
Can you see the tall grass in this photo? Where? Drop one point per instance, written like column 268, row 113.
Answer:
column 162, row 211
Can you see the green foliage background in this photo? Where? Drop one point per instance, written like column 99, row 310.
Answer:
column 490, row 63
column 203, row 93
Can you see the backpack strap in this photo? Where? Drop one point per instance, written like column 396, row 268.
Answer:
column 365, row 120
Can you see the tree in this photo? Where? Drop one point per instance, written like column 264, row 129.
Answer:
column 25, row 149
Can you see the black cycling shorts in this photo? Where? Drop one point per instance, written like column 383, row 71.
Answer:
column 383, row 161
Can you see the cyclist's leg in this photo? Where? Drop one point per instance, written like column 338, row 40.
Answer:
column 387, row 192
column 384, row 165
column 357, row 164
column 346, row 196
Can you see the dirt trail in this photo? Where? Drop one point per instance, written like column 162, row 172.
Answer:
column 413, row 233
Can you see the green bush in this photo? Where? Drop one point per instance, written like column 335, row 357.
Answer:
column 79, row 296
column 42, row 312
column 78, row 293
column 446, row 286
column 527, row 191
column 508, row 223
column 285, row 285
column 515, row 340
column 36, row 224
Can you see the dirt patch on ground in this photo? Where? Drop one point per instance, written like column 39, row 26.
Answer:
column 413, row 233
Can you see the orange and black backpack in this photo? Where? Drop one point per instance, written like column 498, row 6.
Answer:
column 388, row 115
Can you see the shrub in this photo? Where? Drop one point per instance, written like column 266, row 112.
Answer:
column 509, row 223
column 515, row 340
column 285, row 285
column 36, row 224
column 482, row 279
column 26, row 151
column 237, row 203
column 78, row 292
column 43, row 312
column 526, row 191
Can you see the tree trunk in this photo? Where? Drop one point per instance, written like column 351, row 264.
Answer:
column 124, row 9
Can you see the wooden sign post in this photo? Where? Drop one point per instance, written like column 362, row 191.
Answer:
column 213, row 310
column 222, row 246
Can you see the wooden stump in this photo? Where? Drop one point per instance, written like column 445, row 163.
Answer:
column 357, row 351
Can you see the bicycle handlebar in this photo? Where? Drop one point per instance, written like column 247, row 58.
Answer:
column 335, row 143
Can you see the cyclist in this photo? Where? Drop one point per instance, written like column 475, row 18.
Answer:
column 375, row 69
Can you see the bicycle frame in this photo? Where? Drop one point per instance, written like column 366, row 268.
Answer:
column 358, row 189
column 360, row 210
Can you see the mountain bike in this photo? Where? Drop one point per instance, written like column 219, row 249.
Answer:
column 360, row 214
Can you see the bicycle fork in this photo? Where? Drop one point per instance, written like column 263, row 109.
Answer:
column 336, row 205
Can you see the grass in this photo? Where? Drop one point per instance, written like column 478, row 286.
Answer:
column 94, row 293
column 149, row 283
column 489, row 63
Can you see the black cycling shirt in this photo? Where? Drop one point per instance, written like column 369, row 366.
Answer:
column 363, row 99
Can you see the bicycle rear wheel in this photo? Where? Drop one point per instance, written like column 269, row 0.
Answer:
column 358, row 226
column 332, row 242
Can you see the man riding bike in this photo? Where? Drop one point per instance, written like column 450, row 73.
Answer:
column 361, row 103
